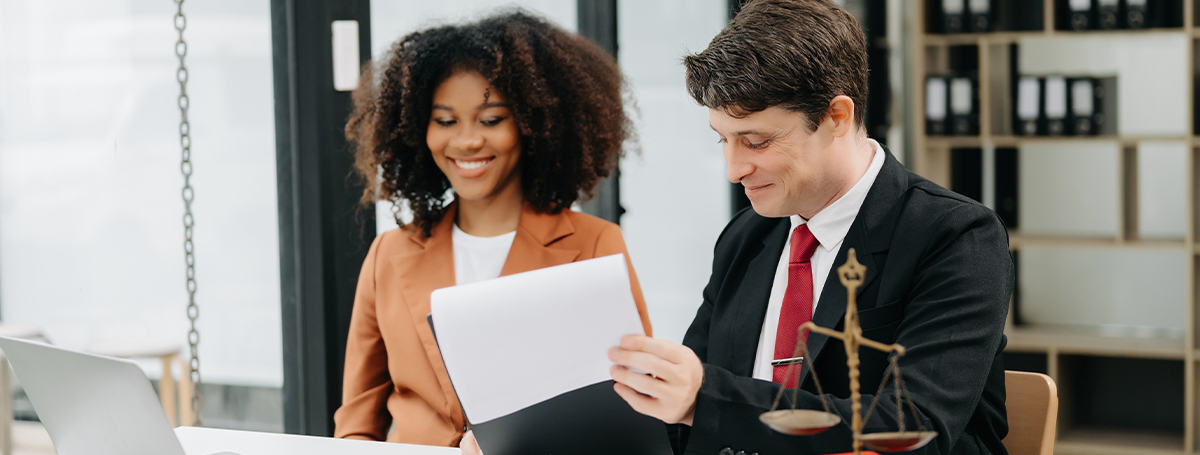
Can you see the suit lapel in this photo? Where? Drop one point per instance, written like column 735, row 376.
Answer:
column 870, row 234
column 831, row 309
column 748, row 314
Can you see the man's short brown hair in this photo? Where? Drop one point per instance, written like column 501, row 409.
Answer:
column 796, row 54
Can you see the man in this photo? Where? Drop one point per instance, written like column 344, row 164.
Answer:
column 785, row 84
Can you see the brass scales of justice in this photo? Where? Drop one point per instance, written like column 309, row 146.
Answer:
column 802, row 422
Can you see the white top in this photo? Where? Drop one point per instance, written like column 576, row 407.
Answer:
column 829, row 226
column 479, row 258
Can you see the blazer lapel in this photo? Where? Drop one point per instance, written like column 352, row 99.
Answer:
column 870, row 234
column 420, row 273
column 534, row 245
column 750, row 310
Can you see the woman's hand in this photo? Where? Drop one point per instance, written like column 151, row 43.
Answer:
column 468, row 444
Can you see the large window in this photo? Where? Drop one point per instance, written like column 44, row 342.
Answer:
column 91, row 234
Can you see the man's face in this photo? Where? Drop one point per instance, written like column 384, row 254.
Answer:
column 785, row 169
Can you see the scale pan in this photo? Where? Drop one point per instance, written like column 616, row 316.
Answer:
column 897, row 441
column 799, row 422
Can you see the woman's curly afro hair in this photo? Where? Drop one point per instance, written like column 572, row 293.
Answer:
column 564, row 91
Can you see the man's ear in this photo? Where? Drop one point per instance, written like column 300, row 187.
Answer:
column 841, row 115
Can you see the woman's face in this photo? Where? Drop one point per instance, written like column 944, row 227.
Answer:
column 474, row 138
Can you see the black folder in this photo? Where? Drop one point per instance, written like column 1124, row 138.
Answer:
column 1028, row 104
column 937, row 106
column 966, row 172
column 1083, row 113
column 1006, row 186
column 1081, row 14
column 1107, row 14
column 592, row 420
column 979, row 15
column 1018, row 15
column 964, row 105
column 1057, row 103
column 1136, row 15
column 1105, row 117
column 953, row 16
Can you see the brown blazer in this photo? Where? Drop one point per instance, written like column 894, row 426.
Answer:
column 393, row 368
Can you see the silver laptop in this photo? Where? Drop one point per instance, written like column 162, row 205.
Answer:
column 90, row 404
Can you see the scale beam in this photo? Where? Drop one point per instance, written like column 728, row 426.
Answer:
column 842, row 336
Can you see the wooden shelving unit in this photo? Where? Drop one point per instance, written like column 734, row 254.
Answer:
column 1066, row 349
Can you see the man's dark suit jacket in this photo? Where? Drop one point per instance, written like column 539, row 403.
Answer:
column 939, row 276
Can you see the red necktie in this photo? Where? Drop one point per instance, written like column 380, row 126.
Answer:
column 797, row 302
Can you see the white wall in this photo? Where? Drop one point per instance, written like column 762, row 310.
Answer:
column 1142, row 291
column 392, row 20
column 91, row 237
column 675, row 191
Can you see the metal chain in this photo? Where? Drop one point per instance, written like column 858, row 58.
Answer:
column 185, row 165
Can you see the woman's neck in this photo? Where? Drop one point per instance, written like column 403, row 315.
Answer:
column 491, row 216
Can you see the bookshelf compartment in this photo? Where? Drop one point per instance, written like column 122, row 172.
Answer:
column 1136, row 293
column 1069, row 188
column 1137, row 395
column 1156, row 14
column 1161, row 199
column 1003, row 15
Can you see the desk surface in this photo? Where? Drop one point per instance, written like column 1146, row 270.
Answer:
column 207, row 441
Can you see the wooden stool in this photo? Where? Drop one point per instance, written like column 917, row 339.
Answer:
column 168, row 354
column 6, row 383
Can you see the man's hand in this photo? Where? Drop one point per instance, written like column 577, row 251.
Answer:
column 667, row 390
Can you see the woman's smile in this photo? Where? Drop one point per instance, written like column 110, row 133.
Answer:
column 472, row 167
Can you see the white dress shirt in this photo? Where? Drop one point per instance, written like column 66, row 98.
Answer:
column 479, row 258
column 829, row 226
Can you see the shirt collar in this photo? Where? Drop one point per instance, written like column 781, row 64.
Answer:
column 830, row 225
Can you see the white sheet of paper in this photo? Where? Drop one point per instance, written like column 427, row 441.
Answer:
column 516, row 341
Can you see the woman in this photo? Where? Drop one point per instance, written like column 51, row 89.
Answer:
column 520, row 119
